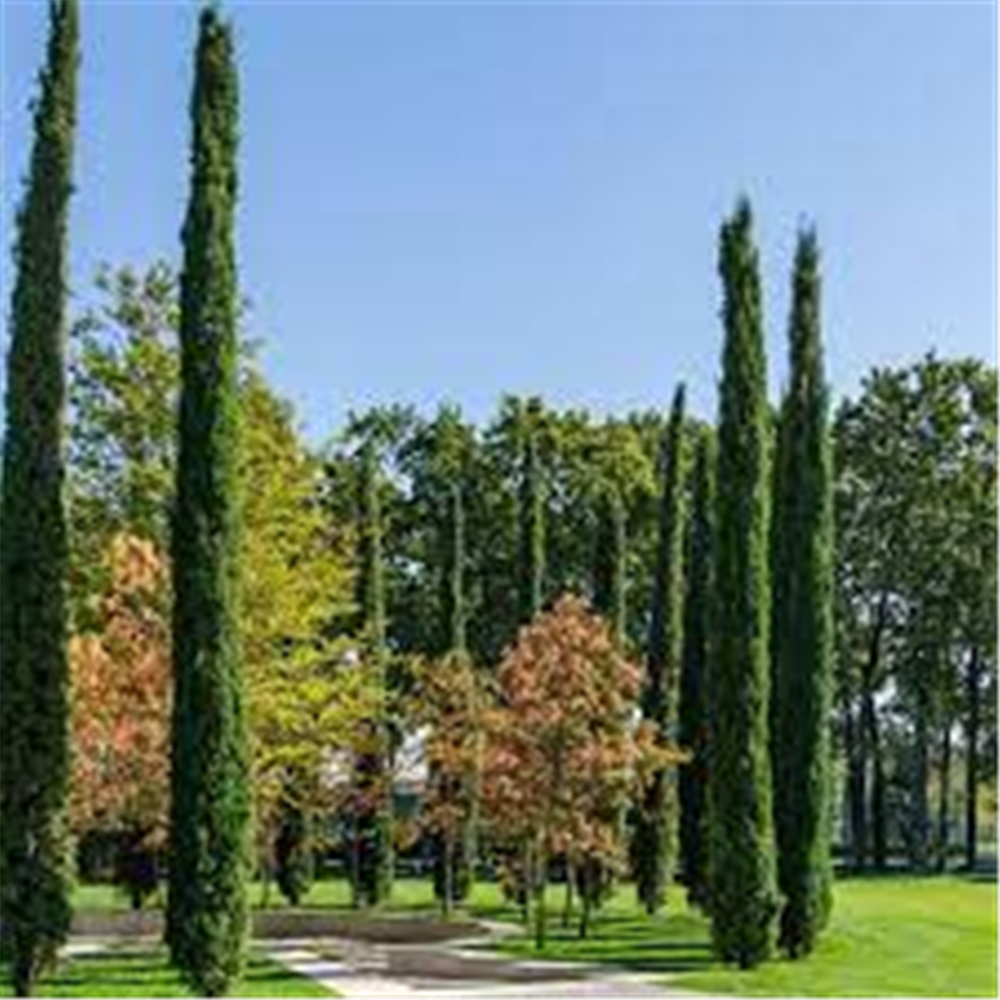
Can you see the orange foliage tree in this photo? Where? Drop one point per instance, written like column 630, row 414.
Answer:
column 564, row 751
column 121, row 710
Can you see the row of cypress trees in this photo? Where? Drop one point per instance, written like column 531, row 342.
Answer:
column 210, row 810
column 756, row 665
column 751, row 640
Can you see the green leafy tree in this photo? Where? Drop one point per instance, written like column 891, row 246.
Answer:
column 34, row 759
column 743, row 904
column 695, row 684
column 207, row 917
column 802, row 632
column 653, row 846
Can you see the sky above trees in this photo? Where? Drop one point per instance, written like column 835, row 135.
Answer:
column 452, row 201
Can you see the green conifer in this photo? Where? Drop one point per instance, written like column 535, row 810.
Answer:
column 743, row 897
column 802, row 642
column 207, row 914
column 34, row 751
column 653, row 843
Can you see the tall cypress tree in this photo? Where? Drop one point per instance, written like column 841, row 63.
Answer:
column 743, row 902
column 693, row 707
column 654, row 832
column 372, row 861
column 531, row 582
column 34, row 754
column 453, row 575
column 609, row 562
column 453, row 864
column 210, row 803
column 802, row 642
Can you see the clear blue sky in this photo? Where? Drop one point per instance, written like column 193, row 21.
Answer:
column 454, row 200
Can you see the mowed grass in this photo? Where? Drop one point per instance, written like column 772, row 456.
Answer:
column 888, row 937
column 892, row 936
column 146, row 973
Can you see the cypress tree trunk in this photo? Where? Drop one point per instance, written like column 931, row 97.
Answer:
column 210, row 803
column 373, row 810
column 609, row 563
column 802, row 640
column 693, row 706
column 531, row 586
column 742, row 863
column 34, row 752
column 972, row 695
column 652, row 847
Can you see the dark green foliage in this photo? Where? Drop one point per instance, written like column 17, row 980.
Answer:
column 453, row 571
column 652, row 848
column 802, row 639
column 210, row 801
column 531, row 562
column 609, row 562
column 372, row 857
column 693, row 707
column 743, row 902
column 293, row 853
column 34, row 755
column 453, row 863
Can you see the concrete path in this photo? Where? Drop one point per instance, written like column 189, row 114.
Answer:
column 356, row 969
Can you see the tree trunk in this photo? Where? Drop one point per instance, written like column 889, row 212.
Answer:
column 873, row 747
column 449, row 875
column 540, row 886
column 972, row 695
column 854, row 751
column 872, row 738
column 567, row 915
column 944, row 793
column 920, row 825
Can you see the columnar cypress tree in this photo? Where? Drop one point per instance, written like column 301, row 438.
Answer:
column 743, row 902
column 693, row 708
column 459, row 858
column 373, row 858
column 210, row 806
column 532, row 516
column 654, row 832
column 34, row 903
column 803, row 622
column 453, row 545
column 609, row 562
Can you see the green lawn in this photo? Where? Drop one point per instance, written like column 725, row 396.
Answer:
column 146, row 973
column 888, row 937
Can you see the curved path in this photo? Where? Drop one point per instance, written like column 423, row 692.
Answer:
column 363, row 969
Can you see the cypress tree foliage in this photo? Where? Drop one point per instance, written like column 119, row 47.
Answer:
column 210, row 803
column 34, row 753
column 743, row 903
column 803, row 622
column 532, row 517
column 693, row 707
column 453, row 547
column 609, row 562
column 372, row 860
column 654, row 833
column 453, row 868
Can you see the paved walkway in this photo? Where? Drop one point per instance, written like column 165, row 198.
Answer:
column 356, row 969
